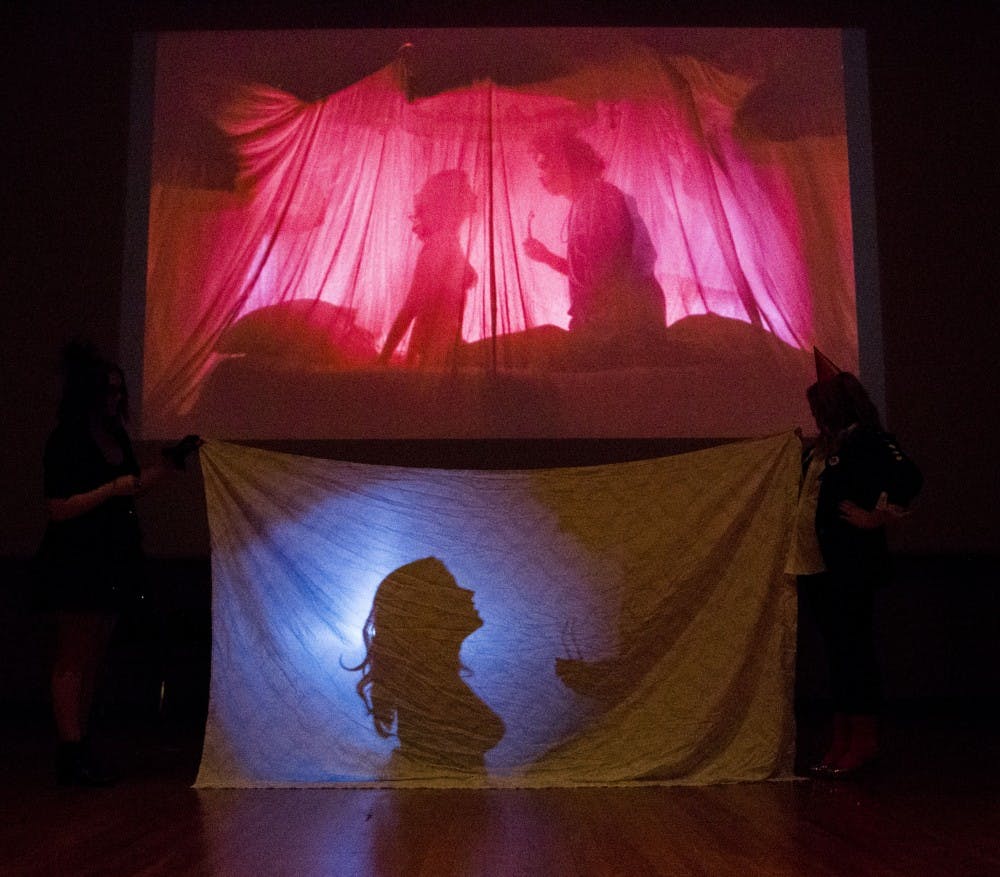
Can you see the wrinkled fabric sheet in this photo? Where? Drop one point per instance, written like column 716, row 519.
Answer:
column 636, row 625
column 281, row 237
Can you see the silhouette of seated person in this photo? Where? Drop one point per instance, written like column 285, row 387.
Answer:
column 612, row 290
column 436, row 299
column 412, row 674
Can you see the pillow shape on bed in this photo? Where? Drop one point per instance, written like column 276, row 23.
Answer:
column 300, row 332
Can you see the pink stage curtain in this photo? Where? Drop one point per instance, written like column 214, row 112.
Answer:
column 310, row 259
column 615, row 624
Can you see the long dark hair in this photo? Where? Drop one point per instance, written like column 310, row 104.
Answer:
column 582, row 162
column 840, row 402
column 86, row 377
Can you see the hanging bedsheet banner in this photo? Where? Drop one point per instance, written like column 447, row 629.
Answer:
column 387, row 626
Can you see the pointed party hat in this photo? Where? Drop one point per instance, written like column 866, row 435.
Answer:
column 825, row 367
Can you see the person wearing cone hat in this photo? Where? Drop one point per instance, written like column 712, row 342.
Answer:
column 856, row 482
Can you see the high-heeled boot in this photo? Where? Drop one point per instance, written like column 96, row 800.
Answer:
column 840, row 742
column 863, row 748
column 73, row 767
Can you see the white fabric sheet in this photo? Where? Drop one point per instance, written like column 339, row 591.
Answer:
column 637, row 625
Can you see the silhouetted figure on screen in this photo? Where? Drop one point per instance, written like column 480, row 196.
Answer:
column 612, row 291
column 412, row 673
column 436, row 300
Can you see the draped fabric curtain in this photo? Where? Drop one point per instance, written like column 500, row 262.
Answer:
column 625, row 623
column 728, row 222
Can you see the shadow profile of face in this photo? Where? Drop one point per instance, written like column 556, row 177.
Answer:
column 443, row 203
column 412, row 679
column 553, row 173
column 565, row 161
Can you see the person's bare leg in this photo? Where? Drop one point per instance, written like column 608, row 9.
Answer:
column 81, row 642
column 94, row 663
column 76, row 642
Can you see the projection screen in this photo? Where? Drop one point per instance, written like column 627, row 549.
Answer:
column 528, row 233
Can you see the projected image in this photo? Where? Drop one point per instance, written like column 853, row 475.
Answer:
column 482, row 233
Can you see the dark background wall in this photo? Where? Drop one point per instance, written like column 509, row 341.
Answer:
column 934, row 129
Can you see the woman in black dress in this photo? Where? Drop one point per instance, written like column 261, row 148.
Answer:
column 90, row 560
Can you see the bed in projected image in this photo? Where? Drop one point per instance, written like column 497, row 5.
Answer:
column 511, row 233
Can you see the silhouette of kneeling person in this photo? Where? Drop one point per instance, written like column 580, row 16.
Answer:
column 412, row 675
column 612, row 293
column 436, row 299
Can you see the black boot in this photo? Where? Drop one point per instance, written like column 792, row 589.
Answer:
column 73, row 768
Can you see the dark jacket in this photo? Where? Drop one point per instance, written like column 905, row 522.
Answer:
column 866, row 464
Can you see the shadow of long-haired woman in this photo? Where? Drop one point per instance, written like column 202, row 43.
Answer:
column 412, row 675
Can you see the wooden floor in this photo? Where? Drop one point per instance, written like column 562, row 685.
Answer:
column 931, row 808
